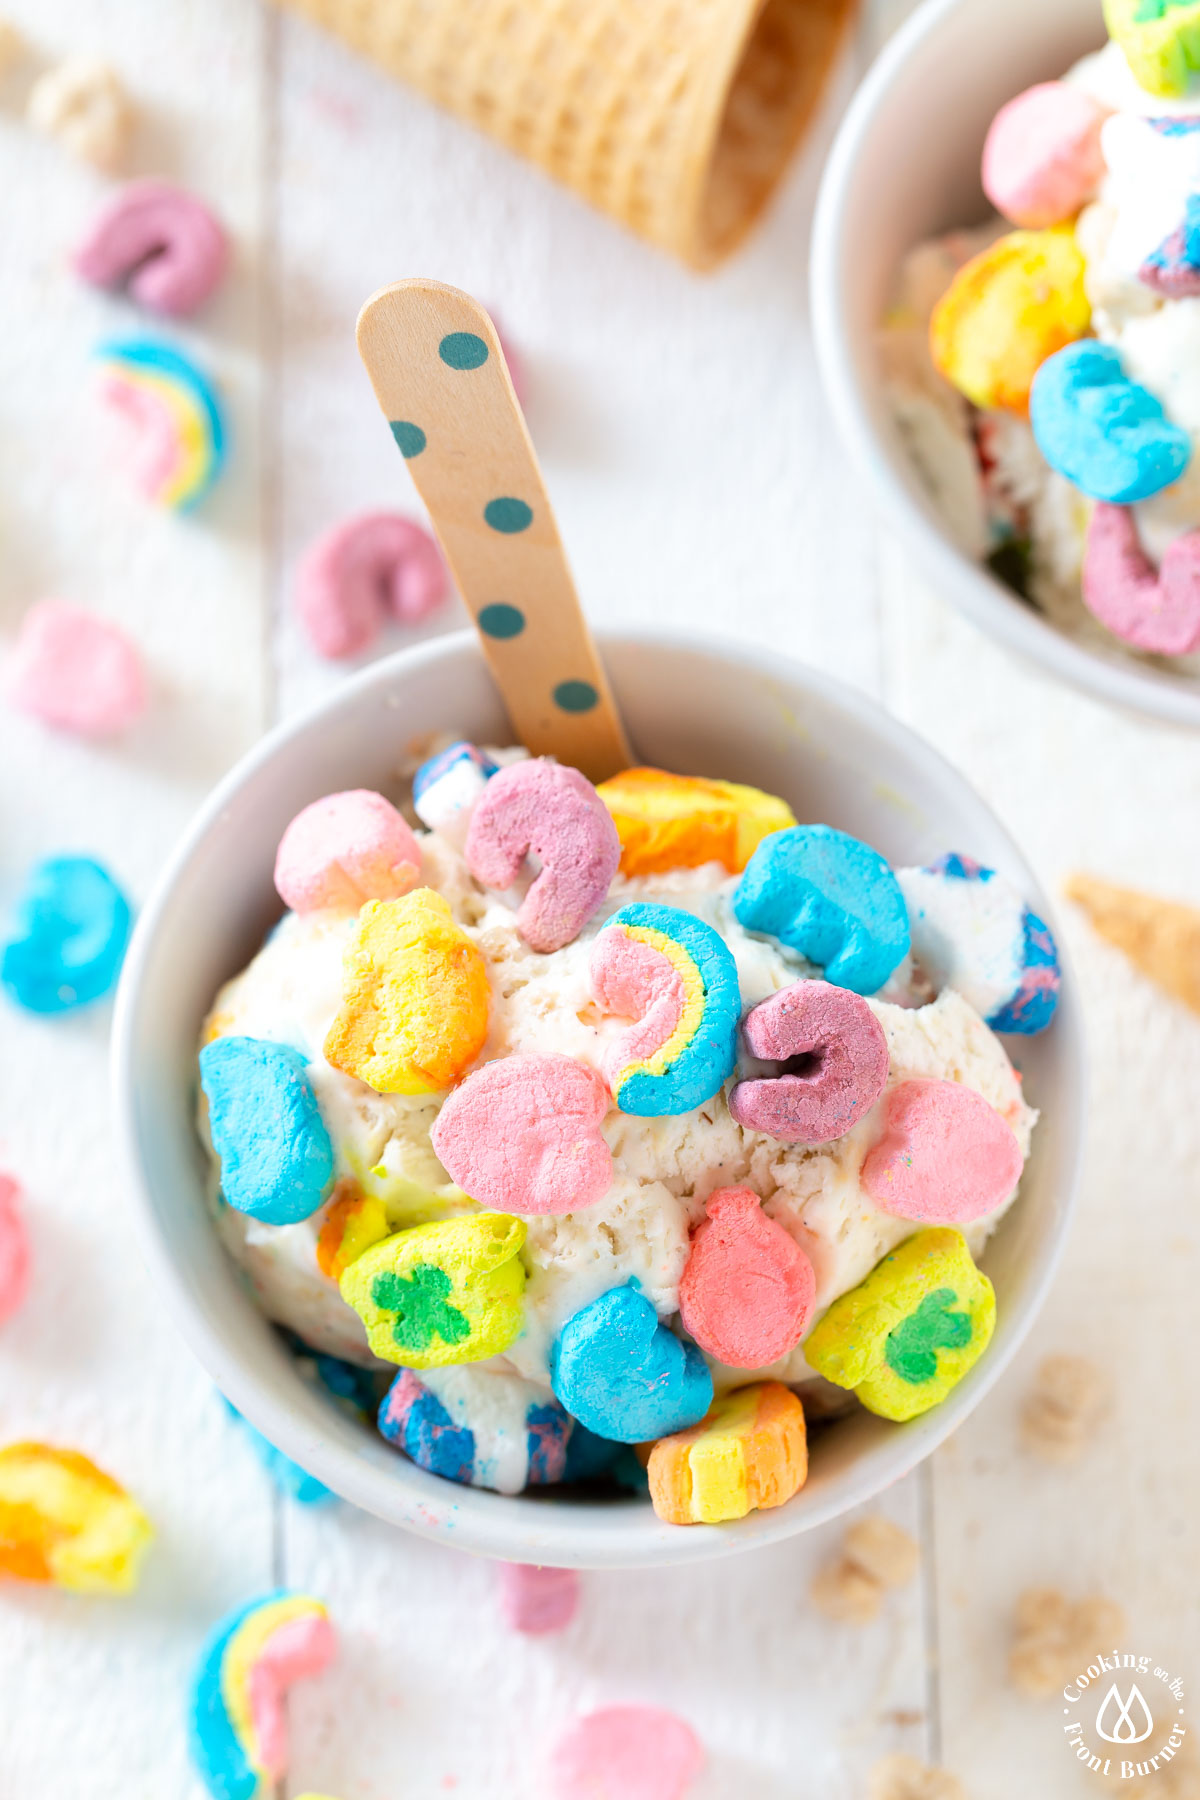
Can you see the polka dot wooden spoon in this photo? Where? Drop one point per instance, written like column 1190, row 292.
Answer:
column 439, row 374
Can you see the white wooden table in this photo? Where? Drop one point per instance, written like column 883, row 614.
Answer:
column 692, row 463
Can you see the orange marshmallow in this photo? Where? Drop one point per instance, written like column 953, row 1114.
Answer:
column 669, row 821
column 749, row 1451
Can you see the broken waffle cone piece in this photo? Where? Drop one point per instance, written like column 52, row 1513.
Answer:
column 1160, row 937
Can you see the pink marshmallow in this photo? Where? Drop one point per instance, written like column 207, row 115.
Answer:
column 834, row 1028
column 636, row 981
column 75, row 671
column 358, row 572
column 162, row 244
column 945, row 1156
column 554, row 813
column 522, row 1135
column 748, row 1289
column 537, row 1601
column 626, row 1753
column 345, row 850
column 14, row 1249
column 1153, row 609
column 296, row 1650
column 1042, row 158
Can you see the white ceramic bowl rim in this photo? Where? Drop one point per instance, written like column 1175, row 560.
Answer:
column 262, row 1382
column 1117, row 678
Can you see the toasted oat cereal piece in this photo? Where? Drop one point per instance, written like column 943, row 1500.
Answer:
column 1069, row 1398
column 876, row 1555
column 900, row 1777
column 845, row 1592
column 1052, row 1635
column 81, row 103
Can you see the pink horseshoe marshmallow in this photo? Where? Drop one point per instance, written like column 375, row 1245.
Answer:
column 554, row 813
column 945, row 1156
column 14, row 1249
column 838, row 1029
column 1042, row 156
column 358, row 572
column 522, row 1135
column 160, row 243
column 345, row 850
column 748, row 1289
column 1156, row 610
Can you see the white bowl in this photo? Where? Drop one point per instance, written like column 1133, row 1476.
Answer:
column 708, row 708
column 905, row 166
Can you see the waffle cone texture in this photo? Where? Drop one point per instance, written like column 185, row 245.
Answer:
column 676, row 117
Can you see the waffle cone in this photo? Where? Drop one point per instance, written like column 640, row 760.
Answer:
column 1160, row 937
column 677, row 117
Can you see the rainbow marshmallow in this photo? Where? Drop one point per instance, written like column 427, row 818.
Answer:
column 237, row 1724
column 675, row 976
column 174, row 410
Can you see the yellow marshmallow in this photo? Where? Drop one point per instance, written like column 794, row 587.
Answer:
column 669, row 821
column 1161, row 41
column 444, row 1293
column 353, row 1222
column 63, row 1520
column 749, row 1451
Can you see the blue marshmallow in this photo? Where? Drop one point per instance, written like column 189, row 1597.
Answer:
column 625, row 1376
column 1102, row 431
column 70, row 936
column 446, row 788
column 266, row 1127
column 830, row 897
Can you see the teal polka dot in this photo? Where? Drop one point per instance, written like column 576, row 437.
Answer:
column 501, row 620
column 575, row 696
column 463, row 350
column 410, row 439
column 508, row 515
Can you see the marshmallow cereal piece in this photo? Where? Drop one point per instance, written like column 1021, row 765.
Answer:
column 1157, row 610
column 1161, row 41
column 553, row 812
column 624, row 1375
column 832, row 898
column 65, row 1521
column 669, row 821
column 522, row 1135
column 344, row 850
column 173, row 412
column 749, row 1453
column 69, row 939
column 415, row 998
column 446, row 788
column 676, row 976
column 81, row 103
column 535, row 1601
column 944, row 1157
column 747, row 1291
column 1006, row 311
column 1173, row 269
column 447, row 1292
column 75, row 671
column 266, row 1128
column 361, row 570
column 972, row 931
column 838, row 1030
column 1042, row 157
column 164, row 246
column 352, row 1224
column 237, row 1716
column 14, row 1248
column 626, row 1753
column 1107, row 434
column 907, row 1334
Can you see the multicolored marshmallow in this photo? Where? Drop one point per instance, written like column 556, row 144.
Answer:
column 237, row 1719
column 973, row 932
column 677, row 978
column 624, row 1375
column 69, row 938
column 266, row 1128
column 344, row 850
column 750, row 1452
column 908, row 1333
column 1104, row 432
column 1173, row 270
column 547, row 810
column 747, row 1291
column 626, row 1753
column 65, row 1521
column 536, row 1601
column 447, row 787
column 159, row 243
column 669, row 821
column 1154, row 609
column 830, row 897
column 174, row 412
column 1006, row 311
column 14, row 1248
column 415, row 998
column 352, row 1223
column 1042, row 158
column 448, row 1292
column 522, row 1135
column 1161, row 41
column 944, row 1156
column 361, row 571
column 837, row 1030
column 75, row 672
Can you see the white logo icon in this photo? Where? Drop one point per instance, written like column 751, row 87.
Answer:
column 1118, row 1721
